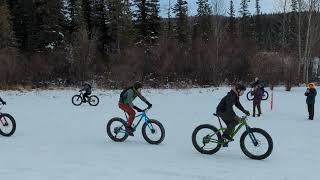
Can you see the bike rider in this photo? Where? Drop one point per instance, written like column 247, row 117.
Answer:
column 226, row 113
column 87, row 88
column 125, row 103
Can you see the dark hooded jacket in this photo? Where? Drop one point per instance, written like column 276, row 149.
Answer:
column 226, row 104
column 311, row 96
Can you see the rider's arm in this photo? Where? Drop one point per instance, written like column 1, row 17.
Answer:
column 229, row 103
column 239, row 106
column 142, row 98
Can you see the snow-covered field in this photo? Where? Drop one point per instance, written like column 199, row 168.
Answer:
column 58, row 141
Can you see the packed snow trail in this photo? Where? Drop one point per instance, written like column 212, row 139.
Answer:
column 57, row 140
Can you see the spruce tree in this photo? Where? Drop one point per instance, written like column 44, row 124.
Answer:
column 180, row 10
column 147, row 20
column 154, row 19
column 6, row 32
column 232, row 28
column 204, row 15
column 119, row 24
column 258, row 25
column 245, row 26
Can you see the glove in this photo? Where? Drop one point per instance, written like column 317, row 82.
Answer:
column 149, row 104
column 137, row 109
column 237, row 118
column 4, row 103
column 247, row 112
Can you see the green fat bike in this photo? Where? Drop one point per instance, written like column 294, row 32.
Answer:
column 255, row 143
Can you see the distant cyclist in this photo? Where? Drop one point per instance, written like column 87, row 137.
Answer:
column 88, row 90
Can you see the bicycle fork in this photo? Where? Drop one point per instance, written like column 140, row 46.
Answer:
column 3, row 121
column 252, row 137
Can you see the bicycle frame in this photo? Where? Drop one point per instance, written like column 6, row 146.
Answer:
column 4, row 121
column 242, row 123
column 143, row 116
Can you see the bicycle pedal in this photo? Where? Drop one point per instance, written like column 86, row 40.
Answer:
column 225, row 145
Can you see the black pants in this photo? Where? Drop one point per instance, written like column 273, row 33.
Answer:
column 311, row 111
column 230, row 121
column 86, row 96
column 256, row 104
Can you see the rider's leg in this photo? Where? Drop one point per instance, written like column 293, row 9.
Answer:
column 231, row 124
column 85, row 97
column 128, row 109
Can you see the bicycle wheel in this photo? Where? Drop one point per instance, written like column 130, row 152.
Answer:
column 93, row 100
column 205, row 139
column 250, row 96
column 265, row 95
column 153, row 132
column 116, row 129
column 7, row 125
column 257, row 144
column 77, row 100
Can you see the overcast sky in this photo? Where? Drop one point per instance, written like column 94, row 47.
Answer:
column 267, row 6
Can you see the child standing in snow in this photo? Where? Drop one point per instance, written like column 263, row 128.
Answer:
column 311, row 93
column 257, row 97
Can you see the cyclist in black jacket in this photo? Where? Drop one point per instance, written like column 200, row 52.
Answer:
column 226, row 112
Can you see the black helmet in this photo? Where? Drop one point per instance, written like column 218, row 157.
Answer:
column 240, row 87
column 137, row 85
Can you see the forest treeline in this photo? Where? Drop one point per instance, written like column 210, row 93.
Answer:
column 113, row 42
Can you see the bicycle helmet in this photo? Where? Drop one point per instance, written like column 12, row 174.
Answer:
column 137, row 85
column 240, row 87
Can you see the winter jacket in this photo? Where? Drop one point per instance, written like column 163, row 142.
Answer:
column 226, row 104
column 128, row 95
column 257, row 94
column 258, row 83
column 87, row 88
column 311, row 95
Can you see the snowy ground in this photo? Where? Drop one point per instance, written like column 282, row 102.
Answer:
column 56, row 140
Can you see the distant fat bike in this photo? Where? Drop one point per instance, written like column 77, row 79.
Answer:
column 254, row 142
column 250, row 96
column 152, row 130
column 78, row 99
column 7, row 124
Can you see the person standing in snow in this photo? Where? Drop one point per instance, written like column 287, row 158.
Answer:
column 257, row 97
column 311, row 93
column 125, row 103
column 226, row 112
